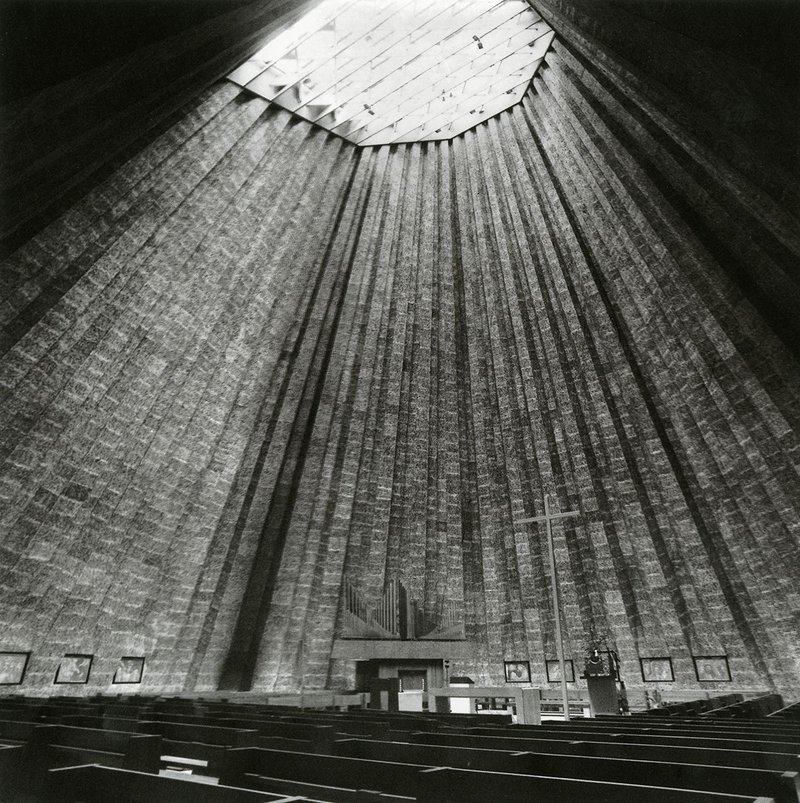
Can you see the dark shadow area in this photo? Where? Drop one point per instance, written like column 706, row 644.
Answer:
column 44, row 42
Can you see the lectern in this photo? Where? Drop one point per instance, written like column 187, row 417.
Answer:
column 601, row 678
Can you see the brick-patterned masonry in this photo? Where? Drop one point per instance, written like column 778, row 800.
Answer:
column 261, row 359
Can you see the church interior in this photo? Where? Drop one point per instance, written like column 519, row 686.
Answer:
column 425, row 398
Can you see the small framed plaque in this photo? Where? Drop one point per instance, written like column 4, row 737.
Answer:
column 657, row 670
column 518, row 671
column 553, row 669
column 12, row 667
column 712, row 668
column 74, row 668
column 130, row 669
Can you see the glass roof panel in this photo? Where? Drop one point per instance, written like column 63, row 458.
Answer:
column 383, row 71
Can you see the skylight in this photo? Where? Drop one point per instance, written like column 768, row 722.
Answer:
column 384, row 71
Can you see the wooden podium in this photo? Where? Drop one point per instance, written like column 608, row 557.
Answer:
column 603, row 694
column 601, row 678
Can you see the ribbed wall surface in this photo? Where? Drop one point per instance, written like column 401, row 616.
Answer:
column 63, row 139
column 271, row 359
column 528, row 316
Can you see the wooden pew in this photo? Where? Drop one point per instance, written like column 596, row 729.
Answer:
column 700, row 721
column 450, row 785
column 787, row 736
column 390, row 777
column 318, row 737
column 11, row 765
column 790, row 713
column 19, row 713
column 783, row 787
column 683, row 739
column 122, row 710
column 16, row 731
column 55, row 745
column 274, row 734
column 755, row 751
column 758, row 728
column 322, row 792
column 757, row 707
column 432, row 755
column 99, row 706
column 190, row 732
column 292, row 745
column 50, row 746
column 95, row 784
column 613, row 749
column 51, row 712
column 201, row 743
column 374, row 728
column 381, row 720
column 763, row 725
column 209, row 746
column 683, row 707
column 400, row 718
column 730, row 758
column 692, row 707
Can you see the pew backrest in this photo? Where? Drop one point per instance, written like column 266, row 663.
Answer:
column 450, row 785
column 95, row 784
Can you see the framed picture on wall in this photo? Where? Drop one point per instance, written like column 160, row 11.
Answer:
column 657, row 670
column 130, row 669
column 553, row 669
column 12, row 667
column 712, row 668
column 518, row 671
column 74, row 668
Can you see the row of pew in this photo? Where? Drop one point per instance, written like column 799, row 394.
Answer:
column 153, row 749
column 728, row 706
column 789, row 712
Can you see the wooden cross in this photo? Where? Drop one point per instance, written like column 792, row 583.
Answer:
column 549, row 518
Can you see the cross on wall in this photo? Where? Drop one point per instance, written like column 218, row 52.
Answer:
column 549, row 518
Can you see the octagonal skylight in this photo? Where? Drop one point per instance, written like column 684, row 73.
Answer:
column 383, row 71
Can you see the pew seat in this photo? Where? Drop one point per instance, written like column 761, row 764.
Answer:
column 96, row 784
column 390, row 777
column 784, row 762
column 450, row 785
column 782, row 786
column 375, row 756
column 333, row 794
column 11, row 758
column 730, row 741
column 789, row 713
column 52, row 745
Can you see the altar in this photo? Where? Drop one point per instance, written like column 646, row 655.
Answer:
column 415, row 667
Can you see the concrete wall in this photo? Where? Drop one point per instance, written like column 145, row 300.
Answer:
column 86, row 84
column 254, row 359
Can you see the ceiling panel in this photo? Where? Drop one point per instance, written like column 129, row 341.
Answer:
column 383, row 71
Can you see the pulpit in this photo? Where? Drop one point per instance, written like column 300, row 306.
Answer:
column 601, row 679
